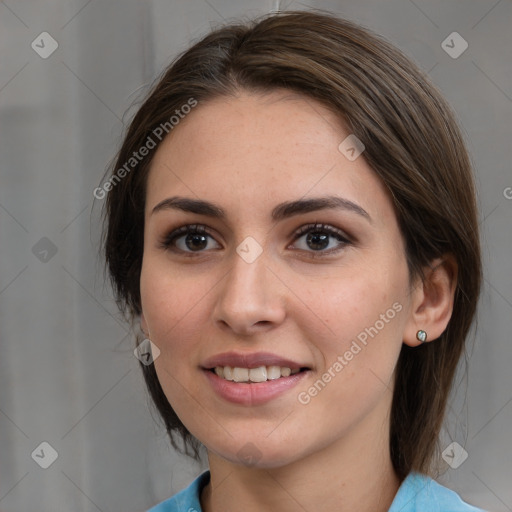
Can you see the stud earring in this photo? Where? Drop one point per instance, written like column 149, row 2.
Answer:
column 421, row 336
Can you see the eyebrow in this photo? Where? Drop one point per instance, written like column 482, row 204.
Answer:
column 280, row 212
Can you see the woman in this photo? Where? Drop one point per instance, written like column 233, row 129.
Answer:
column 292, row 220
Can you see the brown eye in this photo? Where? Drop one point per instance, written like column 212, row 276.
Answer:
column 318, row 238
column 187, row 239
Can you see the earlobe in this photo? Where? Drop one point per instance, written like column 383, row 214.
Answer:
column 432, row 303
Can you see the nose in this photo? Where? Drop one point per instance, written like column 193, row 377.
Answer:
column 251, row 297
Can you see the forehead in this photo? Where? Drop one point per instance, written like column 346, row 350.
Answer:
column 252, row 148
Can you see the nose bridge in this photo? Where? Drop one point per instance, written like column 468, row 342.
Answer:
column 250, row 293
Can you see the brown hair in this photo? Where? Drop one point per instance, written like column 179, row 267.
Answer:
column 412, row 143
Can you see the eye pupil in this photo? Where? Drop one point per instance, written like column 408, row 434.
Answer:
column 194, row 241
column 318, row 239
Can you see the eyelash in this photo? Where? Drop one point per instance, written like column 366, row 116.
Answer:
column 168, row 241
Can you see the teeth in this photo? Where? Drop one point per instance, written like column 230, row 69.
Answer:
column 260, row 374
column 240, row 374
column 285, row 372
column 273, row 372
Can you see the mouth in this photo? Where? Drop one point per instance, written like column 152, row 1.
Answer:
column 258, row 374
column 251, row 379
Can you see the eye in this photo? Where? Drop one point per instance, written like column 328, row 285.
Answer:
column 187, row 239
column 318, row 238
column 193, row 238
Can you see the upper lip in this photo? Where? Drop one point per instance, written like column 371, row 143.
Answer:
column 254, row 360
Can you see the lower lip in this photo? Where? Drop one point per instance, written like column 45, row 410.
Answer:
column 255, row 393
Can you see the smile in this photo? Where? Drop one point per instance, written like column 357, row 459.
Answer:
column 259, row 374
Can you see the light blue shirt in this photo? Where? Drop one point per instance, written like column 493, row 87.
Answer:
column 418, row 493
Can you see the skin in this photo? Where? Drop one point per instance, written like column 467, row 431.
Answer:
column 247, row 153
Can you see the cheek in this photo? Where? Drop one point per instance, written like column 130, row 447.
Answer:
column 172, row 308
column 356, row 339
column 356, row 336
column 171, row 303
column 354, row 305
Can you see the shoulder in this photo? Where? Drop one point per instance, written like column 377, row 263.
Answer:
column 419, row 493
column 186, row 500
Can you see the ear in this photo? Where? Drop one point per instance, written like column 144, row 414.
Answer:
column 432, row 301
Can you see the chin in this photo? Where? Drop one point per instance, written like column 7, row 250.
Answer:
column 258, row 453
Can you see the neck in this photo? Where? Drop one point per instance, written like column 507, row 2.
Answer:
column 353, row 473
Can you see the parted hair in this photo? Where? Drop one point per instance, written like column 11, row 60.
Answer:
column 412, row 142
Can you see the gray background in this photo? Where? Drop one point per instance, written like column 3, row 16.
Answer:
column 67, row 372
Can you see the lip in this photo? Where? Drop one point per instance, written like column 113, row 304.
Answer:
column 241, row 360
column 255, row 393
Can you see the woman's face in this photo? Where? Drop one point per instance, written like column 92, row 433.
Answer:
column 314, row 315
